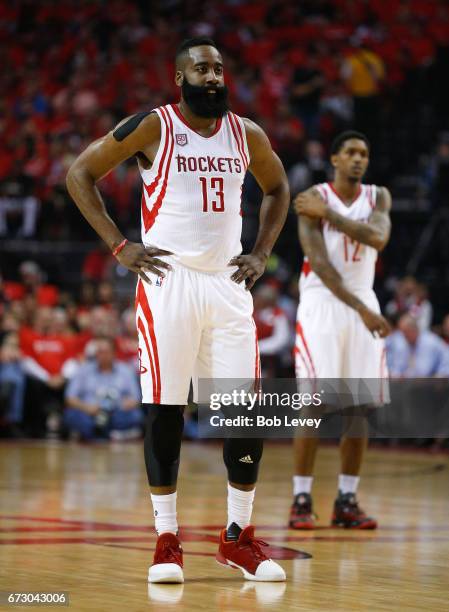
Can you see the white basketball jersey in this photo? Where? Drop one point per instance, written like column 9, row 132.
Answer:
column 354, row 261
column 191, row 200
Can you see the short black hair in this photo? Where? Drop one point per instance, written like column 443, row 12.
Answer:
column 340, row 140
column 188, row 43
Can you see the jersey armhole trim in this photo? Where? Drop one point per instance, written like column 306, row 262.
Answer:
column 147, row 173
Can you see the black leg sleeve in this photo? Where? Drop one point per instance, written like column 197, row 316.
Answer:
column 162, row 444
column 242, row 457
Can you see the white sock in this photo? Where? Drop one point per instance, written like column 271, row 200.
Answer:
column 164, row 507
column 302, row 484
column 240, row 506
column 348, row 484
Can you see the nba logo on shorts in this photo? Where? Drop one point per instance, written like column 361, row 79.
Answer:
column 159, row 281
column 181, row 139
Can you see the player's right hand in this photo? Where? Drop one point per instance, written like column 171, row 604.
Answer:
column 141, row 259
column 376, row 323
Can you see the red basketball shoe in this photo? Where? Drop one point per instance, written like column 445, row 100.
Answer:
column 347, row 513
column 301, row 514
column 246, row 554
column 167, row 562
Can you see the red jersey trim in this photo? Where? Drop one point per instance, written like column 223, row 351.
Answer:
column 242, row 138
column 306, row 268
column 371, row 197
column 150, row 216
column 339, row 197
column 239, row 127
column 240, row 146
column 180, row 116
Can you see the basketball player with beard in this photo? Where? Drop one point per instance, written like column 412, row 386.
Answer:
column 193, row 305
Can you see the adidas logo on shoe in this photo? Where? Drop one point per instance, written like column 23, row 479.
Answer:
column 246, row 459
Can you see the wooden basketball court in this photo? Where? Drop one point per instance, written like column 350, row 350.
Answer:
column 76, row 518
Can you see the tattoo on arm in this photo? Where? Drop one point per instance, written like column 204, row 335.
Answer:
column 312, row 244
column 374, row 233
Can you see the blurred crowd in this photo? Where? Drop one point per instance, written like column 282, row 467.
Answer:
column 304, row 71
column 69, row 363
column 66, row 351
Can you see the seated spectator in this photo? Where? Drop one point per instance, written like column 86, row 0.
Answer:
column 127, row 343
column 31, row 284
column 100, row 322
column 103, row 397
column 12, row 386
column 412, row 353
column 48, row 361
column 310, row 170
column 272, row 328
column 19, row 206
column 422, row 309
column 48, row 353
column 412, row 297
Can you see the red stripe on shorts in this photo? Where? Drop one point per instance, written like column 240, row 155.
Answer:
column 256, row 361
column 297, row 351
column 141, row 328
column 143, row 302
column 299, row 330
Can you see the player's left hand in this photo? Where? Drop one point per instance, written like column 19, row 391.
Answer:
column 310, row 204
column 251, row 267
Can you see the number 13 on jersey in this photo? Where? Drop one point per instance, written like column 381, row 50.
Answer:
column 213, row 193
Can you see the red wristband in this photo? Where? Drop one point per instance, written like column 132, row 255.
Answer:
column 120, row 247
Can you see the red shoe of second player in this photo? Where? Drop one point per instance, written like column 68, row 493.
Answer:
column 348, row 514
column 247, row 555
column 167, row 563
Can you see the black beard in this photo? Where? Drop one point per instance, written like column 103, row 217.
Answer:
column 204, row 104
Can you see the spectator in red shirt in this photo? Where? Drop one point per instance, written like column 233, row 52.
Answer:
column 48, row 360
column 127, row 343
column 272, row 329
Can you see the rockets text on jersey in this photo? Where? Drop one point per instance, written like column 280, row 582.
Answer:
column 354, row 261
column 191, row 199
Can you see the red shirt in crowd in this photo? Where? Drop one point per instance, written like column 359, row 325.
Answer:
column 50, row 352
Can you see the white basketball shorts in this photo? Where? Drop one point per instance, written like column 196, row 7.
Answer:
column 193, row 325
column 333, row 343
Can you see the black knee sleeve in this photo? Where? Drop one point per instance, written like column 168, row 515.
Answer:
column 162, row 444
column 242, row 457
